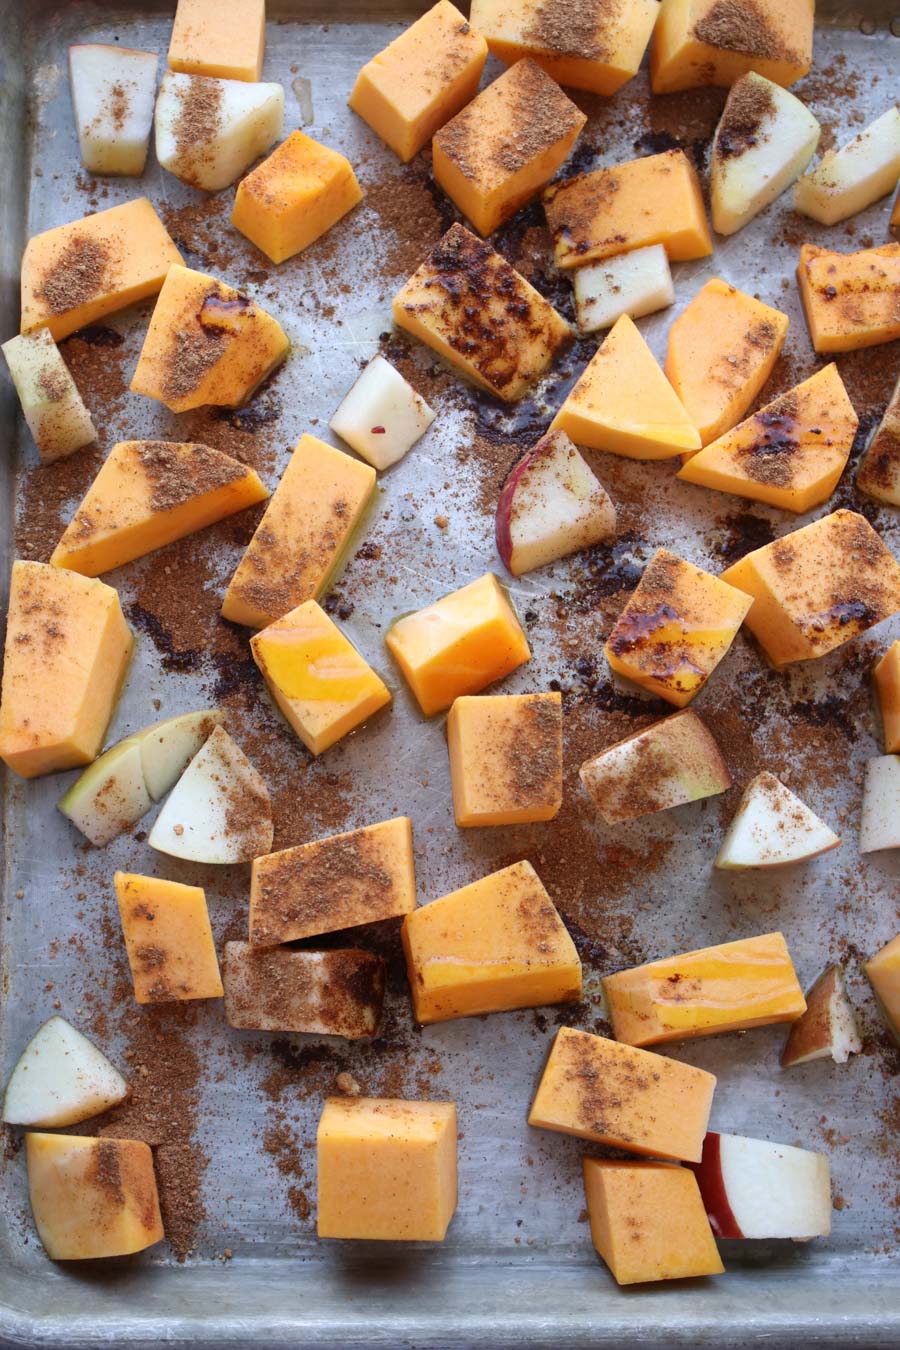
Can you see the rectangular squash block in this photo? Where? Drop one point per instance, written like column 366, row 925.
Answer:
column 75, row 274
column 67, row 651
column 168, row 939
column 506, row 759
column 332, row 993
column 421, row 79
column 361, row 876
column 850, row 299
column 461, row 643
column 505, row 145
column 299, row 541
column 386, row 1169
column 616, row 1095
column 887, row 684
column 491, row 946
column 318, row 679
column 748, row 983
column 648, row 1221
column 225, row 44
column 654, row 200
column 817, row 587
column 476, row 311
column 883, row 970
column 699, row 42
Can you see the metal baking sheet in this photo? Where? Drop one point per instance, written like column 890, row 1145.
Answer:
column 517, row 1267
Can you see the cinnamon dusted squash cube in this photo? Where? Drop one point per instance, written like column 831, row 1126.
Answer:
column 505, row 145
column 675, row 629
column 506, row 758
column 818, row 587
column 879, row 470
column 850, row 299
column 228, row 45
column 168, row 938
column 699, row 42
column 887, row 684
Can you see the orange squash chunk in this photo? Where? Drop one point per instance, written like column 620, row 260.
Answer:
column 294, row 196
column 789, row 454
column 459, row 645
column 623, row 403
column 722, row 349
column 883, row 971
column 850, row 299
column 675, row 629
column 818, row 587
column 75, row 274
column 300, row 539
column 616, row 1095
column 168, row 939
column 505, row 145
column 506, row 760
column 67, row 651
column 879, row 471
column 887, row 685
column 654, row 200
column 227, row 45
column 648, row 1221
column 699, row 42
column 147, row 494
column 421, row 79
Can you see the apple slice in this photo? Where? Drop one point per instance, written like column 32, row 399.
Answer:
column 551, row 505
column 635, row 283
column 764, row 141
column 168, row 747
column 382, row 417
column 828, row 1027
column 879, row 826
column 754, row 1189
column 51, row 403
column 848, row 180
column 773, row 828
column 60, row 1078
column 112, row 97
column 219, row 810
column 209, row 131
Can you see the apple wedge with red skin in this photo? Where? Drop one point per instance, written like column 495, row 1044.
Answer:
column 828, row 1027
column 552, row 504
column 755, row 1189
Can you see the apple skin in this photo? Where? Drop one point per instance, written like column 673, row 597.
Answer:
column 708, row 1172
column 504, row 513
column 827, row 1029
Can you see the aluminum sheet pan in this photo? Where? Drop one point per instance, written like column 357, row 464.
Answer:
column 517, row 1268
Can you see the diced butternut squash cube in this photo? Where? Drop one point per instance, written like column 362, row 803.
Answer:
column 459, row 645
column 623, row 403
column 648, row 1221
column 489, row 947
column 789, row 454
column 294, row 196
column 75, row 274
column 207, row 343
column 476, row 311
column 699, row 42
column 505, row 145
column 850, row 299
column 887, row 685
column 333, row 993
column 748, row 983
column 591, row 45
column 818, row 587
column 675, row 629
column 722, row 349
column 92, row 1197
column 300, row 540
column 421, row 79
column 67, row 651
column 168, row 939
column 386, row 1169
column 147, row 494
column 883, row 971
column 879, row 471
column 208, row 41
column 612, row 1094
column 506, row 758
column 654, row 200
column 359, row 877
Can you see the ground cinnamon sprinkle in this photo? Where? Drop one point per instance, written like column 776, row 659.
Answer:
column 197, row 124
column 76, row 276
column 741, row 26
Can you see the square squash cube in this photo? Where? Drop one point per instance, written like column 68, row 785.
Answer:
column 506, row 758
column 850, row 299
column 226, row 46
column 386, row 1169
column 168, row 938
column 699, row 42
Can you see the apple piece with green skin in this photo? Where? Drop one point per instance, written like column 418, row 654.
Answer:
column 209, row 131
column 635, row 283
column 51, row 403
column 827, row 1030
column 61, row 1078
column 168, row 747
column 551, row 505
column 112, row 89
column 755, row 1189
column 382, row 416
column 847, row 180
column 879, row 825
column 773, row 828
column 219, row 810
column 668, row 764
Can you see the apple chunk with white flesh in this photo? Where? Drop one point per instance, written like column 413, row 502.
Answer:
column 551, row 505
column 51, row 403
column 847, row 180
column 112, row 98
column 219, row 810
column 382, row 416
column 764, row 141
column 635, row 283
column 755, row 1189
column 879, row 826
column 209, row 131
column 773, row 828
column 59, row 1079
column 827, row 1030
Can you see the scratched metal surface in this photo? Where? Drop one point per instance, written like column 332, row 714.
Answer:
column 517, row 1267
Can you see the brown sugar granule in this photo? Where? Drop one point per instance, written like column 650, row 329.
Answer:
column 741, row 26
column 580, row 28
column 177, row 475
column 76, row 276
column 748, row 108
